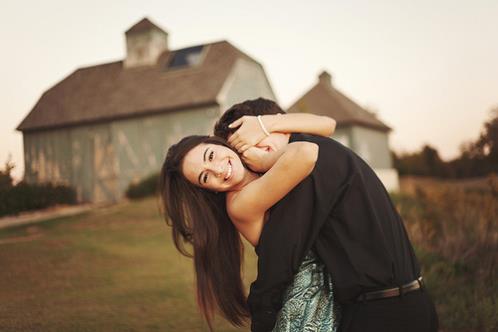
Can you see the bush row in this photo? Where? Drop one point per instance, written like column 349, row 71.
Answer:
column 25, row 197
column 146, row 187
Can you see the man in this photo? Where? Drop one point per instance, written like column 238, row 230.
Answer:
column 343, row 211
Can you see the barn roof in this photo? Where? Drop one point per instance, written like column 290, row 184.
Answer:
column 110, row 91
column 143, row 24
column 325, row 99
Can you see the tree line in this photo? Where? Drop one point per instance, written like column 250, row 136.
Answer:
column 477, row 158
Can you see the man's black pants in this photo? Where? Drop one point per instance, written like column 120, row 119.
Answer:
column 413, row 311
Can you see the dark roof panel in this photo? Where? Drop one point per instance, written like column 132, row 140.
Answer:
column 190, row 56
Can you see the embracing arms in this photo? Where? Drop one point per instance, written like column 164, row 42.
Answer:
column 300, row 123
column 247, row 207
column 286, row 165
column 250, row 132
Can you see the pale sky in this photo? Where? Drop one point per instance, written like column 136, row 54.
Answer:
column 428, row 68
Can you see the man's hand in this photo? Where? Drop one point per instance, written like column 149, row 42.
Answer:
column 258, row 159
column 248, row 135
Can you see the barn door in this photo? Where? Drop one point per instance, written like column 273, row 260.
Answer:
column 104, row 167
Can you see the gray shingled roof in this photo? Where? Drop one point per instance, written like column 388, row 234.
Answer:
column 110, row 91
column 325, row 99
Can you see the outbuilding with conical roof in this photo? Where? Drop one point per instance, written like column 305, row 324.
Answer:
column 357, row 128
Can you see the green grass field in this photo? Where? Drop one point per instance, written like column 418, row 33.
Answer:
column 112, row 269
column 116, row 269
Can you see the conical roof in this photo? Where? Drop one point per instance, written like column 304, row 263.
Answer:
column 325, row 99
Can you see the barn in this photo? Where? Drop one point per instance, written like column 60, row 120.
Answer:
column 106, row 126
column 357, row 128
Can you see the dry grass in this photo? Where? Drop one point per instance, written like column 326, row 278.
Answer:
column 454, row 226
column 113, row 269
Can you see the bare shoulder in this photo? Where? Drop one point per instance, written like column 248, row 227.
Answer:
column 249, row 229
column 232, row 203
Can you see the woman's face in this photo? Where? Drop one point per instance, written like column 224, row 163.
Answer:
column 214, row 167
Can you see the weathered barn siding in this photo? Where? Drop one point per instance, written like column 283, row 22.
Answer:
column 141, row 143
column 246, row 81
column 64, row 156
column 39, row 156
column 372, row 145
column 101, row 160
column 343, row 136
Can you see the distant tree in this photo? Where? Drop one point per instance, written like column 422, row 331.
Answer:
column 425, row 162
column 467, row 164
column 6, row 180
column 432, row 162
column 486, row 147
column 477, row 158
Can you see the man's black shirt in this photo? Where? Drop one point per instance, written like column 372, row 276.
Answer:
column 343, row 211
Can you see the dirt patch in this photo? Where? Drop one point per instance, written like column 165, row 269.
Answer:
column 18, row 239
column 45, row 214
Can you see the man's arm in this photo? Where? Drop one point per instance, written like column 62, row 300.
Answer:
column 292, row 230
column 250, row 131
column 282, row 245
column 304, row 123
column 251, row 202
column 259, row 159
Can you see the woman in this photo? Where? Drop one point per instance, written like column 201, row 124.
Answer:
column 210, row 196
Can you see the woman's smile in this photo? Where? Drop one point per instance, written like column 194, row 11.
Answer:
column 214, row 167
column 229, row 171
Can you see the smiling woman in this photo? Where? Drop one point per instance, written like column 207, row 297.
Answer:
column 214, row 167
column 198, row 217
column 209, row 196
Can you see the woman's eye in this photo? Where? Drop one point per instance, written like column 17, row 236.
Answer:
column 205, row 178
column 211, row 155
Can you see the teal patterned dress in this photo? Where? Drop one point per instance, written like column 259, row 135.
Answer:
column 309, row 301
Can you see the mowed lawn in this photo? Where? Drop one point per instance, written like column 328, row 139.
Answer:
column 111, row 269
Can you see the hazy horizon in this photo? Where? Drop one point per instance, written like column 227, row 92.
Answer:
column 429, row 70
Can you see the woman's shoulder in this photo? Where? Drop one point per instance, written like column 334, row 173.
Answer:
column 237, row 209
column 232, row 203
column 249, row 228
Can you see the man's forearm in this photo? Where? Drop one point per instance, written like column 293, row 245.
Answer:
column 300, row 123
column 270, row 158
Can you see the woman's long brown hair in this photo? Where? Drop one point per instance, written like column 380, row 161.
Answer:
column 198, row 217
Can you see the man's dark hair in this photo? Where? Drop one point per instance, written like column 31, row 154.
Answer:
column 253, row 107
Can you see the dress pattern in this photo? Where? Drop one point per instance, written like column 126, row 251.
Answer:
column 309, row 301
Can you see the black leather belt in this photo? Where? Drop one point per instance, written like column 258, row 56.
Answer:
column 392, row 292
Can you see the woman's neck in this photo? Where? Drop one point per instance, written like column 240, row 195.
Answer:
column 249, row 176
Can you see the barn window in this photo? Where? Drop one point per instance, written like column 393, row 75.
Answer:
column 186, row 57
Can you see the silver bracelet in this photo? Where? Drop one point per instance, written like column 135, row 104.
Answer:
column 263, row 126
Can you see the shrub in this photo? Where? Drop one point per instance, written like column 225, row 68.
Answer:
column 146, row 187
column 25, row 197
column 6, row 180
